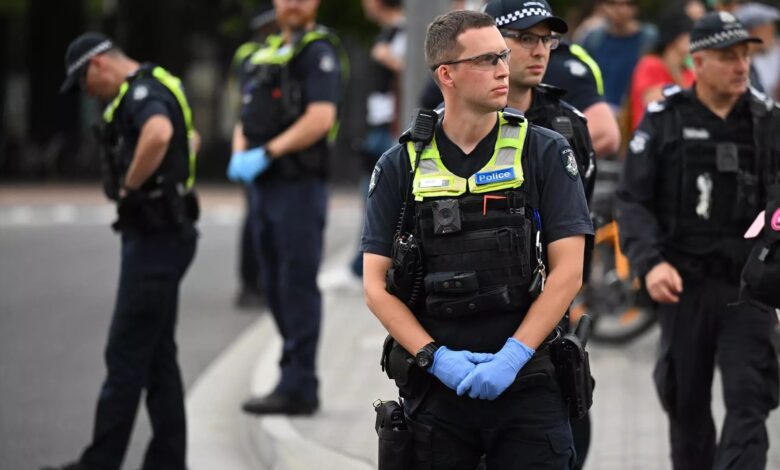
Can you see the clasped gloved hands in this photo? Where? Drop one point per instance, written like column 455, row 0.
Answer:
column 248, row 165
column 490, row 378
column 451, row 367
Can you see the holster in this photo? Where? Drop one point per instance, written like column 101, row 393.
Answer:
column 572, row 365
column 412, row 382
column 395, row 437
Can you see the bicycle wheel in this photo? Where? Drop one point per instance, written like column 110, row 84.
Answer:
column 620, row 308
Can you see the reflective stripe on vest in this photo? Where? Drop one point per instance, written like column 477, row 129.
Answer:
column 503, row 171
column 580, row 53
column 173, row 84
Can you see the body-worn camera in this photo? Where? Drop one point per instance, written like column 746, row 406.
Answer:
column 446, row 216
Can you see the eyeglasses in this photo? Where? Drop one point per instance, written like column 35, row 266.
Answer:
column 482, row 61
column 530, row 40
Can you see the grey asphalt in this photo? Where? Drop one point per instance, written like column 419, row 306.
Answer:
column 58, row 267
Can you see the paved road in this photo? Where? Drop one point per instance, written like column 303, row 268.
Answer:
column 57, row 280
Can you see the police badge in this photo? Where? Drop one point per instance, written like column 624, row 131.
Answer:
column 569, row 160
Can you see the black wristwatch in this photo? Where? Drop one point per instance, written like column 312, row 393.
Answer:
column 424, row 357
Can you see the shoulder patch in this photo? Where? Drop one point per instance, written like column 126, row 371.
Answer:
column 140, row 92
column 638, row 144
column 655, row 106
column 569, row 160
column 671, row 90
column 576, row 68
column 375, row 175
column 327, row 63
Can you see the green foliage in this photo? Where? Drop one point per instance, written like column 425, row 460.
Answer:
column 13, row 8
column 347, row 18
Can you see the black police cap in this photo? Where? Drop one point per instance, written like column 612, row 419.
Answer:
column 524, row 14
column 718, row 30
column 77, row 56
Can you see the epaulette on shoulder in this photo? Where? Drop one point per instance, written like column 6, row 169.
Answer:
column 513, row 116
column 574, row 110
column 761, row 98
column 551, row 90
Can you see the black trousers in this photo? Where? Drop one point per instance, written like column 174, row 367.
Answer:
column 249, row 257
column 705, row 327
column 289, row 217
column 141, row 354
column 523, row 429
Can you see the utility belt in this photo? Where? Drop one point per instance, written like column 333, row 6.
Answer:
column 561, row 357
column 163, row 209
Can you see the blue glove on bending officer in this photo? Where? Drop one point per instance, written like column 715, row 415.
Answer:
column 488, row 379
column 248, row 165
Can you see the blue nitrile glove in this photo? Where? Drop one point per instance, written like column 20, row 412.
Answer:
column 488, row 380
column 452, row 366
column 246, row 166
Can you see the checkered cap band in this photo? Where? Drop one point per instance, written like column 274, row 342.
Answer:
column 520, row 14
column 101, row 47
column 718, row 38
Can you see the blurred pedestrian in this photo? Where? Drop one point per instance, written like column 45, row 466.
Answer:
column 387, row 63
column 761, row 22
column 150, row 170
column 666, row 65
column 251, row 291
column 290, row 103
column 694, row 178
column 617, row 47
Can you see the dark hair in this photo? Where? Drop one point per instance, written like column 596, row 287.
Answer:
column 392, row 3
column 441, row 40
column 672, row 23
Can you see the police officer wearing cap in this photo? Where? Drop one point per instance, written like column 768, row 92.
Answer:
column 475, row 367
column 289, row 106
column 695, row 176
column 528, row 27
column 149, row 163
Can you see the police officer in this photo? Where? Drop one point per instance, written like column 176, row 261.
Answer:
column 572, row 69
column 289, row 108
column 693, row 179
column 532, row 36
column 482, row 380
column 150, row 171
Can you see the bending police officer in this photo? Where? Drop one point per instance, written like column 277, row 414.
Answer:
column 150, row 162
column 289, row 107
column 694, row 176
column 482, row 371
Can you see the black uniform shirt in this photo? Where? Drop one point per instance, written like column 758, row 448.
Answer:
column 562, row 205
column 147, row 97
column 569, row 72
column 639, row 194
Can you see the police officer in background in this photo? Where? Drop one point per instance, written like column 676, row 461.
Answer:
column 695, row 176
column 289, row 108
column 532, row 35
column 482, row 378
column 150, row 171
column 573, row 70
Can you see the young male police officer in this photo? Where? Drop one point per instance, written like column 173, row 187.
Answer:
column 477, row 187
column 289, row 107
column 150, row 164
column 694, row 178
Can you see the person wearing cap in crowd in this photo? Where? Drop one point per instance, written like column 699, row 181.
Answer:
column 761, row 21
column 666, row 65
column 694, row 177
column 149, row 170
column 531, row 32
column 289, row 109
column 471, row 354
